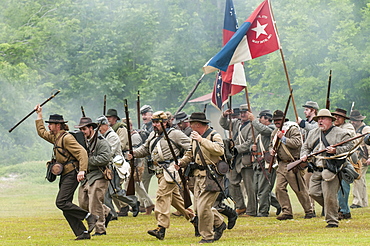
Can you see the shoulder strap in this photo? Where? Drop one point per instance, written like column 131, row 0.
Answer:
column 155, row 142
column 359, row 130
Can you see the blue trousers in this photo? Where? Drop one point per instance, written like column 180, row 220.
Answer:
column 343, row 195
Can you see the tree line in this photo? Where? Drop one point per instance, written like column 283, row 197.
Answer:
column 91, row 48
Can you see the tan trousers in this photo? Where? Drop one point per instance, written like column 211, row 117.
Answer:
column 168, row 194
column 297, row 183
column 91, row 198
column 208, row 216
column 359, row 189
column 325, row 193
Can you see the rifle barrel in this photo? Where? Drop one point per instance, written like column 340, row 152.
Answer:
column 42, row 104
column 292, row 165
column 131, row 183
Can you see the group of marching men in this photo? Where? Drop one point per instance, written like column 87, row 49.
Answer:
column 166, row 145
column 324, row 177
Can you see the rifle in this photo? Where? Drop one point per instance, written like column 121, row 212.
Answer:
column 212, row 172
column 328, row 92
column 105, row 104
column 187, row 199
column 131, row 182
column 254, row 139
column 42, row 104
column 189, row 95
column 278, row 140
column 138, row 110
column 293, row 164
column 83, row 111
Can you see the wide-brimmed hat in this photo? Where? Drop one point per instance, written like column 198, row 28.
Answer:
column 266, row 113
column 198, row 117
column 324, row 113
column 146, row 108
column 340, row 112
column 180, row 117
column 311, row 104
column 112, row 112
column 56, row 118
column 243, row 107
column 86, row 121
column 356, row 116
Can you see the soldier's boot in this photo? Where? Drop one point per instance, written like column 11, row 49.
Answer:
column 194, row 221
column 158, row 232
column 231, row 214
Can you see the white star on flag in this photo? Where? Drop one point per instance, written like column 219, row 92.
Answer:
column 259, row 29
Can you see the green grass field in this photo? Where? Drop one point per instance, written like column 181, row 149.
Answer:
column 29, row 217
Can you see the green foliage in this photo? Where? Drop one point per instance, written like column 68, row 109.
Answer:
column 92, row 48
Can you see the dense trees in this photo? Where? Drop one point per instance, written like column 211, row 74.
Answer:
column 88, row 48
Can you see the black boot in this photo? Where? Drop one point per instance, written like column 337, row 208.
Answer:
column 231, row 214
column 194, row 221
column 158, row 232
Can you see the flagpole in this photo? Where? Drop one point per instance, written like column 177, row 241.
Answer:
column 249, row 109
column 190, row 94
column 230, row 119
column 285, row 67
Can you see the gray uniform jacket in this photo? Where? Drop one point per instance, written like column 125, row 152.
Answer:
column 242, row 136
column 159, row 150
column 293, row 144
column 99, row 158
column 334, row 136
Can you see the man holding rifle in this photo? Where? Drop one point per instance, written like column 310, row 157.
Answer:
column 168, row 192
column 288, row 148
column 324, row 183
column 74, row 158
column 206, row 140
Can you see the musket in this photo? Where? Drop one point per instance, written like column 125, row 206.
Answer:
column 187, row 199
column 131, row 182
column 328, row 92
column 42, row 104
column 212, row 172
column 83, row 111
column 138, row 110
column 105, row 104
column 230, row 120
column 205, row 108
column 276, row 144
column 189, row 95
column 353, row 105
column 293, row 164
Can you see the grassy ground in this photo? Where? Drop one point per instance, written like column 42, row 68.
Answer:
column 29, row 217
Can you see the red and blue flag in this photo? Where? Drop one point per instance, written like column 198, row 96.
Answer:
column 256, row 37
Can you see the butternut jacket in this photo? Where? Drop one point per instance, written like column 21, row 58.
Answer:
column 212, row 148
column 69, row 147
column 293, row 143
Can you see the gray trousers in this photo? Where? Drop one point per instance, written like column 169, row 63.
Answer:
column 359, row 189
column 265, row 197
column 117, row 193
column 246, row 174
column 325, row 193
column 146, row 176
